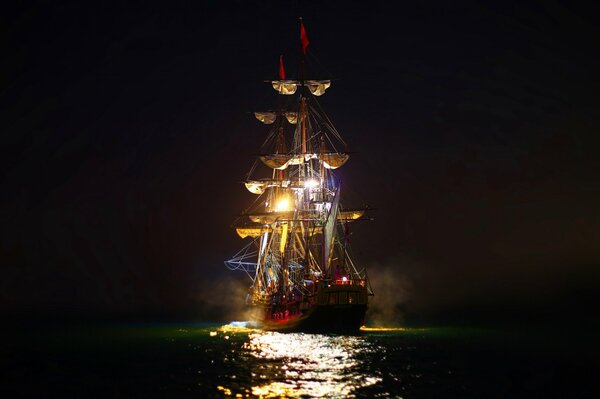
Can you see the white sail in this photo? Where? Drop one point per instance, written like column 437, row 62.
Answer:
column 329, row 230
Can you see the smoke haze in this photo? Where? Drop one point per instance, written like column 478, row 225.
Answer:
column 392, row 291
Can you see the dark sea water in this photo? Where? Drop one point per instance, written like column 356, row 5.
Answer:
column 228, row 361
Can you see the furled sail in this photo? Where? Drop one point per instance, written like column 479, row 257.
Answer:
column 258, row 230
column 270, row 217
column 299, row 159
column 252, row 231
column 269, row 117
column 285, row 87
column 281, row 161
column 318, row 87
column 256, row 187
column 350, row 215
column 266, row 117
column 289, row 87
column 292, row 117
column 276, row 161
column 264, row 218
column 334, row 160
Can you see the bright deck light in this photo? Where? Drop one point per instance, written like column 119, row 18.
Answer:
column 282, row 205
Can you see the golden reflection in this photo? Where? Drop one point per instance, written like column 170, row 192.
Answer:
column 307, row 365
column 232, row 328
column 383, row 329
column 375, row 329
column 226, row 391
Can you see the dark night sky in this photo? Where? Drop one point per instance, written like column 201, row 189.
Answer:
column 126, row 132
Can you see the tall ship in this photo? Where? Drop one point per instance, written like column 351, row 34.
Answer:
column 298, row 255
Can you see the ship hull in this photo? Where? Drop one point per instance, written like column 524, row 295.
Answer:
column 336, row 309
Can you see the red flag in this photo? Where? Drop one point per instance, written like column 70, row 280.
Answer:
column 303, row 37
column 281, row 70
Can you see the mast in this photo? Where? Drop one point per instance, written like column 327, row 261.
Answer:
column 303, row 123
column 302, row 71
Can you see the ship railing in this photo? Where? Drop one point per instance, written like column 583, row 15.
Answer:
column 348, row 281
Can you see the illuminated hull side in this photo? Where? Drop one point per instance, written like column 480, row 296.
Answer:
column 333, row 309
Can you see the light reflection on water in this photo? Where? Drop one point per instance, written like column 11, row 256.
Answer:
column 308, row 365
column 232, row 362
column 305, row 365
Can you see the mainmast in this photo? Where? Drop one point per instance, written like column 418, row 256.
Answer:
column 302, row 73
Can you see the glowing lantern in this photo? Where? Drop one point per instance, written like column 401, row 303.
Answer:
column 283, row 205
